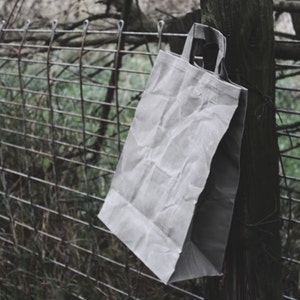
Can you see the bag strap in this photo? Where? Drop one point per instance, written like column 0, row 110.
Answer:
column 210, row 36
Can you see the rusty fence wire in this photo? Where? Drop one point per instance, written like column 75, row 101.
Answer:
column 67, row 99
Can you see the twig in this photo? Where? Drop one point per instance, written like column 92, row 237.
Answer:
column 285, row 35
column 286, row 6
column 165, row 13
column 282, row 76
column 294, row 126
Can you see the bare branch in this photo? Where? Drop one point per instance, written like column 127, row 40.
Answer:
column 286, row 6
column 285, row 35
column 292, row 147
column 290, row 127
column 74, row 25
column 292, row 74
column 287, row 50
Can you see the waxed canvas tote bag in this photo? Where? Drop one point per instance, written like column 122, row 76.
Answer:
column 172, row 196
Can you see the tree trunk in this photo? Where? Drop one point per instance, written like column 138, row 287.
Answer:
column 252, row 263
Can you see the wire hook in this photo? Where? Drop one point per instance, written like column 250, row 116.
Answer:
column 121, row 24
column 2, row 25
column 160, row 27
column 25, row 29
column 26, row 26
column 54, row 25
column 86, row 24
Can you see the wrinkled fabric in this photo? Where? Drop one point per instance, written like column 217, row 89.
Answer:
column 172, row 196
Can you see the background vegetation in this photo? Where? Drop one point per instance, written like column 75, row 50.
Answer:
column 60, row 142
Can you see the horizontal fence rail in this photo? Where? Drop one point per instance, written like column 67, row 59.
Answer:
column 67, row 100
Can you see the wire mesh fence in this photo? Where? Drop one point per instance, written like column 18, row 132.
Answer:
column 66, row 108
column 288, row 129
column 67, row 99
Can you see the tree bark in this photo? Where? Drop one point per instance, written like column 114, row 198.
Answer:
column 252, row 262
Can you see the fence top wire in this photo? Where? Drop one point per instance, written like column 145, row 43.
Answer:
column 116, row 32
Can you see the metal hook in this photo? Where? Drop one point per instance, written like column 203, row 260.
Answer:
column 121, row 24
column 85, row 28
column 2, row 25
column 26, row 26
column 25, row 29
column 86, row 24
column 54, row 25
column 160, row 27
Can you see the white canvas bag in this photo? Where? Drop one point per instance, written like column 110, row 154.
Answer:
column 172, row 196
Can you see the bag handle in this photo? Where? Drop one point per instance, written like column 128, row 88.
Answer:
column 210, row 36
